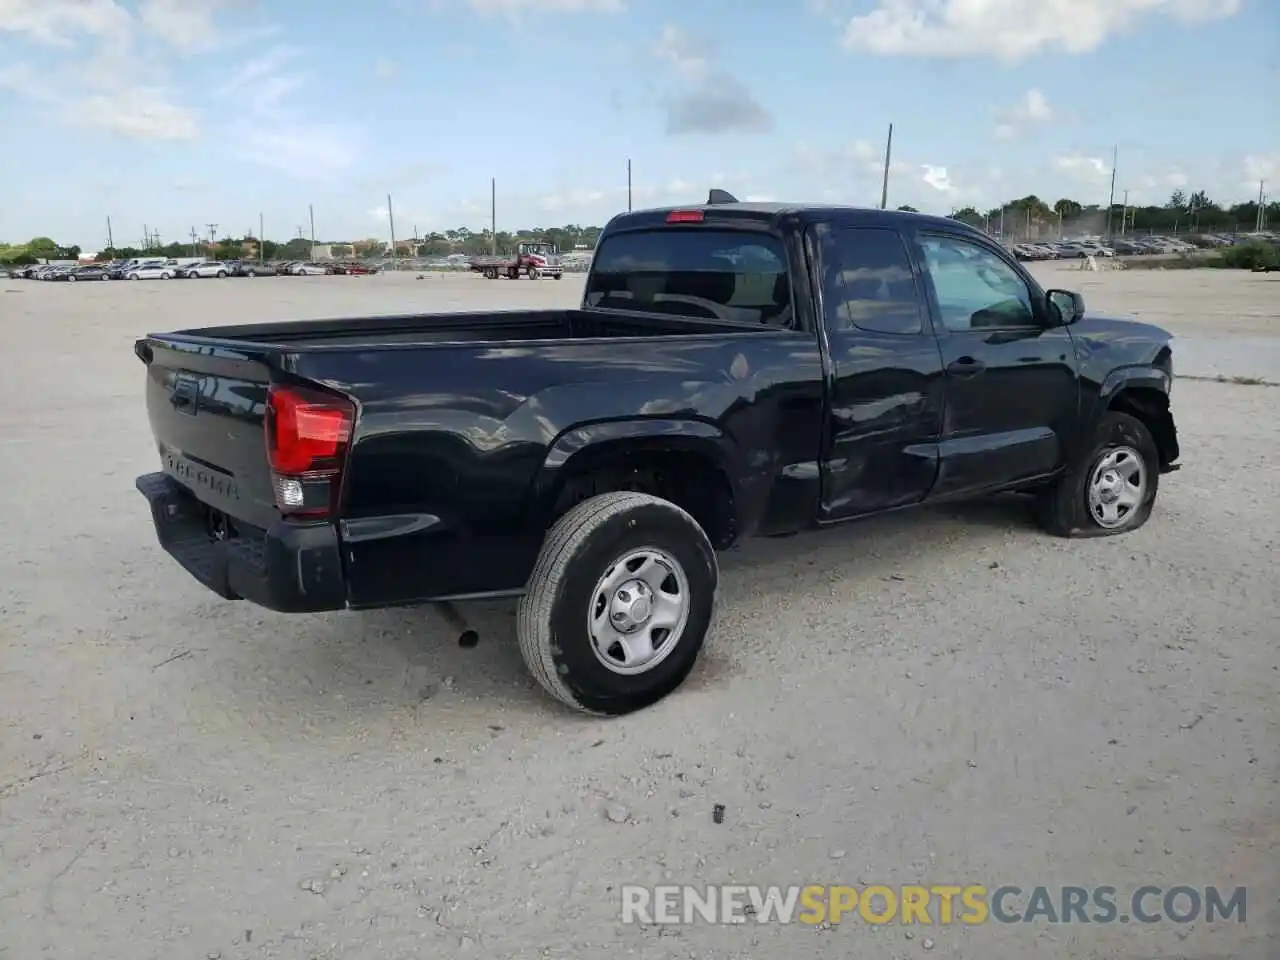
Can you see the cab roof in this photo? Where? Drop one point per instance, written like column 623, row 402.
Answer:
column 723, row 209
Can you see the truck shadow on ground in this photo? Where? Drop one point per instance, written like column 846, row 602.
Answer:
column 409, row 658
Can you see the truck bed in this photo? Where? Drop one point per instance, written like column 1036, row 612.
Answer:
column 458, row 417
column 473, row 327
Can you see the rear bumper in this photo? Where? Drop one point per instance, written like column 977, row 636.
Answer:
column 292, row 567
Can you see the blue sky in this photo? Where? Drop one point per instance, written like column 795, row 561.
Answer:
column 180, row 113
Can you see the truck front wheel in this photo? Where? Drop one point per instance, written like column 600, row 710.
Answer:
column 1112, row 489
column 619, row 603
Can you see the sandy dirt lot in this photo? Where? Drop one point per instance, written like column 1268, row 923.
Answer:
column 944, row 698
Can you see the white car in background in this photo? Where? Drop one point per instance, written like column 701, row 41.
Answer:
column 308, row 270
column 206, row 268
column 156, row 270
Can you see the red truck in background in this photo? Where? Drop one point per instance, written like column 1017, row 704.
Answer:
column 533, row 259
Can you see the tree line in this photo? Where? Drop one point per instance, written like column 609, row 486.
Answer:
column 1028, row 217
column 1182, row 213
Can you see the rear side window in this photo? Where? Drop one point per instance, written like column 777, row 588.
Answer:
column 703, row 274
column 868, row 283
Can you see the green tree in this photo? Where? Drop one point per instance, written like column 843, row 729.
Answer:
column 1067, row 209
column 42, row 248
column 1177, row 200
column 295, row 249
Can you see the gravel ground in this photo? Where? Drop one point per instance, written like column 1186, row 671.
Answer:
column 946, row 697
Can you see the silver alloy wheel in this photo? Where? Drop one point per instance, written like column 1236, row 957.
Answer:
column 1117, row 487
column 638, row 611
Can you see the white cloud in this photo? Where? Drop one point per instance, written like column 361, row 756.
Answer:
column 549, row 6
column 571, row 200
column 859, row 160
column 1011, row 29
column 59, row 22
column 1262, row 167
column 385, row 69
column 1089, row 169
column 707, row 98
column 307, row 151
column 1032, row 108
column 937, row 178
column 184, row 24
column 138, row 113
column 129, row 94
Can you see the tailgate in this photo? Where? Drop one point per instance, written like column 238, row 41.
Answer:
column 207, row 405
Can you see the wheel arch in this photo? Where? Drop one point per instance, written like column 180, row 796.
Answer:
column 689, row 462
column 1146, row 399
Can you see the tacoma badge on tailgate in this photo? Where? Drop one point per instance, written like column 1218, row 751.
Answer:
column 184, row 471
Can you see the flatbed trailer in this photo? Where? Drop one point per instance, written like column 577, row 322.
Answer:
column 532, row 259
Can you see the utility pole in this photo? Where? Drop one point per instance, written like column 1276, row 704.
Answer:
column 884, row 186
column 391, row 218
column 628, row 184
column 311, row 212
column 262, row 242
column 194, row 237
column 1115, row 156
column 213, row 233
column 493, row 216
column 146, row 238
column 111, row 243
column 1124, row 216
column 1002, row 224
column 1261, row 217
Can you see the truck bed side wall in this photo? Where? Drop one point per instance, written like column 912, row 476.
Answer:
column 445, row 461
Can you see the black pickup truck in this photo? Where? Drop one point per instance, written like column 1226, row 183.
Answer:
column 734, row 370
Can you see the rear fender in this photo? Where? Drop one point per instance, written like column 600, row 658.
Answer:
column 578, row 449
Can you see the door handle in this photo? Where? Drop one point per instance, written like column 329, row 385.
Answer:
column 965, row 367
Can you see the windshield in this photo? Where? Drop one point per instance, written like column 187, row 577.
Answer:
column 707, row 274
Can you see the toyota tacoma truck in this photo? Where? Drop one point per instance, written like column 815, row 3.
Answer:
column 733, row 370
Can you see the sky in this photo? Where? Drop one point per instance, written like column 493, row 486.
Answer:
column 178, row 114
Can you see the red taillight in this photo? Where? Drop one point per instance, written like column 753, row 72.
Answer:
column 307, row 437
column 685, row 216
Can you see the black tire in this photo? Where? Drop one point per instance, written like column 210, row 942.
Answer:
column 1063, row 508
column 552, row 620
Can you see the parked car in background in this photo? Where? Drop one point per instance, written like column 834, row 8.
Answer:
column 92, row 271
column 309, row 270
column 1097, row 250
column 253, row 268
column 163, row 270
column 205, row 268
column 285, row 267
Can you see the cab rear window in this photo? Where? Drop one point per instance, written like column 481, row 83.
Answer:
column 703, row 274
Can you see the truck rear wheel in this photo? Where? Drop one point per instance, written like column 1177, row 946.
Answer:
column 619, row 603
column 1112, row 489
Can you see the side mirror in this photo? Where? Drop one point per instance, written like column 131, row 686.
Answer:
column 1065, row 306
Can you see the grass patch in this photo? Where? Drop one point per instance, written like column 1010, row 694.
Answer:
column 1254, row 255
